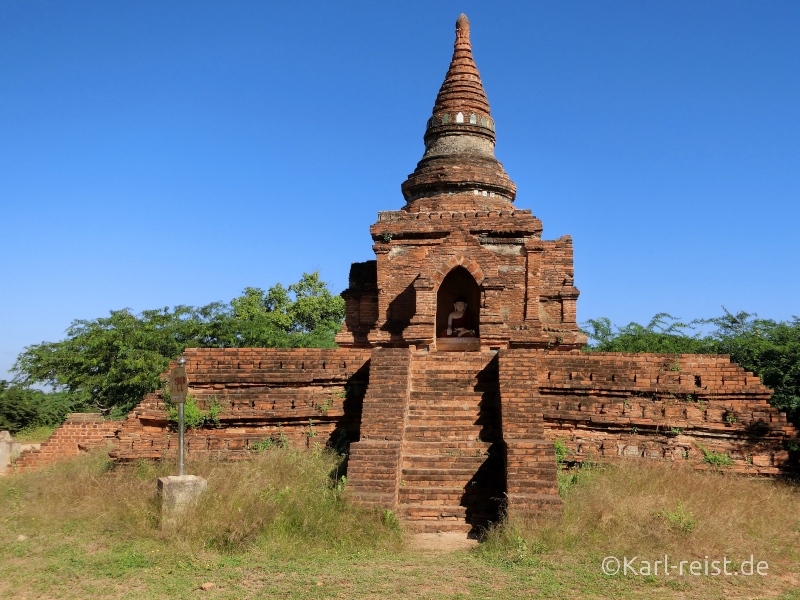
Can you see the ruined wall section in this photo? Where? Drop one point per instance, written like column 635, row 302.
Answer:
column 361, row 305
column 80, row 432
column 517, row 272
column 305, row 396
column 558, row 297
column 691, row 408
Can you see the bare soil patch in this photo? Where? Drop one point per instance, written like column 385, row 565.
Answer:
column 440, row 542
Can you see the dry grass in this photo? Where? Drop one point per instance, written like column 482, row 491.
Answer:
column 647, row 509
column 276, row 527
column 285, row 498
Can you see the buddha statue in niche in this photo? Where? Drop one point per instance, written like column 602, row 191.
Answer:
column 459, row 323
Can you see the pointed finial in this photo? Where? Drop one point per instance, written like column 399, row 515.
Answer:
column 462, row 27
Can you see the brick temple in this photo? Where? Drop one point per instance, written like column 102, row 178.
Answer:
column 460, row 235
column 451, row 431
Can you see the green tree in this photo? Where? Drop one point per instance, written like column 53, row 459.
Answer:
column 769, row 349
column 304, row 315
column 21, row 407
column 112, row 362
column 663, row 334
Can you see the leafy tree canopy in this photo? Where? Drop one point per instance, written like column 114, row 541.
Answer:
column 663, row 334
column 768, row 348
column 22, row 407
column 110, row 363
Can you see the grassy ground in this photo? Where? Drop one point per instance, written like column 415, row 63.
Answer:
column 31, row 435
column 278, row 526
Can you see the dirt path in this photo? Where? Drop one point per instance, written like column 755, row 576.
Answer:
column 441, row 542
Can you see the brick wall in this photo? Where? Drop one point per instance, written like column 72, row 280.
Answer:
column 80, row 432
column 305, row 395
column 531, row 483
column 527, row 295
column 662, row 406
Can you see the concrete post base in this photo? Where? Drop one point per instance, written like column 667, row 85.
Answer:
column 178, row 493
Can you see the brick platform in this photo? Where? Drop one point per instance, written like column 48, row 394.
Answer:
column 613, row 405
column 306, row 396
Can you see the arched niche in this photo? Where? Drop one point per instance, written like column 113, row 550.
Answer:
column 458, row 282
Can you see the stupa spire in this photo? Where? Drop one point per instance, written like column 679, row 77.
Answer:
column 462, row 89
column 460, row 137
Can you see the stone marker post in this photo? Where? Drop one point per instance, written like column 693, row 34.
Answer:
column 178, row 388
column 179, row 492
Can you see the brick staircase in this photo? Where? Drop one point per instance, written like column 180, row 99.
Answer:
column 452, row 476
column 448, row 439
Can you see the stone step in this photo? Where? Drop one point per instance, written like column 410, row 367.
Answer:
column 452, row 412
column 461, row 368
column 445, row 447
column 451, row 387
column 472, row 391
column 422, row 473
column 461, row 361
column 487, row 430
column 467, row 394
column 464, row 422
column 441, row 433
column 438, row 404
column 433, row 461
column 416, row 512
column 444, row 496
column 455, row 482
column 450, row 434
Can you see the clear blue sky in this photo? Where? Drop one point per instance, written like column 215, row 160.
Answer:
column 160, row 153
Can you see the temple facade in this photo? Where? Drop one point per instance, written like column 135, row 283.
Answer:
column 459, row 363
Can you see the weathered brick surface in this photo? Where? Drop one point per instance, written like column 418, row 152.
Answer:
column 80, row 432
column 305, row 395
column 531, row 477
column 615, row 405
column 452, row 476
column 374, row 467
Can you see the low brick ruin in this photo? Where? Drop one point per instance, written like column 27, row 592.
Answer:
column 448, row 432
column 304, row 396
column 80, row 432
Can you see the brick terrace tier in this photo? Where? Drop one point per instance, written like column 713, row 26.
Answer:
column 440, row 437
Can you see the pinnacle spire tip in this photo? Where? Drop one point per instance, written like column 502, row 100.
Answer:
column 462, row 25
